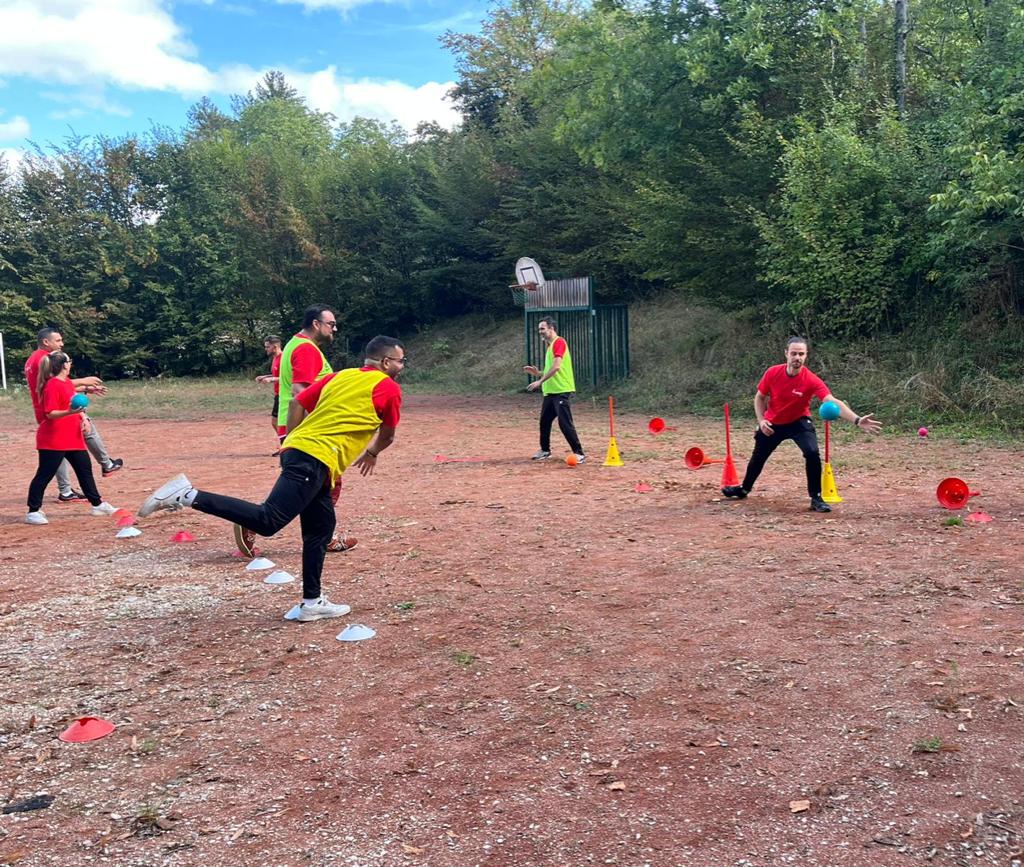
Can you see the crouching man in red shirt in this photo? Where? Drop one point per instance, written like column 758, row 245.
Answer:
column 783, row 408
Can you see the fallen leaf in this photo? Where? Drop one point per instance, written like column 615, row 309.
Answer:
column 617, row 786
column 799, row 806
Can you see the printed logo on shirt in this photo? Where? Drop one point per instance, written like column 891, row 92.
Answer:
column 798, row 393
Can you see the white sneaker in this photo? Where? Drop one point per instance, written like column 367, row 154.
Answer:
column 580, row 459
column 541, row 456
column 167, row 496
column 36, row 518
column 321, row 609
column 102, row 509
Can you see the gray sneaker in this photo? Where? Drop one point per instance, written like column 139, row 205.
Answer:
column 541, row 456
column 580, row 459
column 37, row 518
column 321, row 610
column 167, row 496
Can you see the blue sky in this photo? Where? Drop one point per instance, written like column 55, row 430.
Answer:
column 111, row 67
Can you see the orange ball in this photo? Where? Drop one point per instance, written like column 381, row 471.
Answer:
column 572, row 460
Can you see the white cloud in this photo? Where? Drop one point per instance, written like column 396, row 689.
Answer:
column 12, row 158
column 92, row 45
column 347, row 98
column 16, row 127
column 128, row 43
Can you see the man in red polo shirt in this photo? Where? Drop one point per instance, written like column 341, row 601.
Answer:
column 50, row 340
column 783, row 408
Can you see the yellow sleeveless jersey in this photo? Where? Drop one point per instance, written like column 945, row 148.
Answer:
column 342, row 423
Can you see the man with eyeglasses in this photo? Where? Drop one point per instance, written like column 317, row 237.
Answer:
column 345, row 419
column 302, row 363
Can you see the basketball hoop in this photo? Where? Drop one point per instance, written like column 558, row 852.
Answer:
column 521, row 291
column 529, row 278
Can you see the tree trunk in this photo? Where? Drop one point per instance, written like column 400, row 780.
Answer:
column 900, row 82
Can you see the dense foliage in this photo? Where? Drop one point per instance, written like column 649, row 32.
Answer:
column 811, row 161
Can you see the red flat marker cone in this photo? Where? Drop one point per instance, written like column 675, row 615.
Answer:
column 643, row 488
column 120, row 513
column 88, row 728
column 127, row 519
column 183, row 536
column 979, row 518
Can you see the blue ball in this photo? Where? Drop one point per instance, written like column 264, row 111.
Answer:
column 79, row 401
column 829, row 410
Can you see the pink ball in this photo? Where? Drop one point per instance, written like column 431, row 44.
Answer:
column 922, row 431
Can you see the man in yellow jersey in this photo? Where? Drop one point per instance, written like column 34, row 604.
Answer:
column 302, row 362
column 347, row 418
column 558, row 383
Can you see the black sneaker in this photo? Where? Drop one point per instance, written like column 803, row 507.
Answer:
column 819, row 505
column 115, row 465
column 71, row 496
column 735, row 491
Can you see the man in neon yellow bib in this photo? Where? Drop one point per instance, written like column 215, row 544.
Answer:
column 558, row 385
column 346, row 419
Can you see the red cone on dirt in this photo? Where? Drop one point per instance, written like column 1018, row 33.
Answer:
column 183, row 536
column 120, row 513
column 127, row 519
column 729, row 477
column 643, row 488
column 979, row 518
column 88, row 728
column 953, row 493
column 695, row 459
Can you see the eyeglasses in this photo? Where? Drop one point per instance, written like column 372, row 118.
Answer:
column 403, row 360
column 332, row 323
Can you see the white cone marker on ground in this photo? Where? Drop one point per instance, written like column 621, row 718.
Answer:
column 128, row 533
column 259, row 563
column 292, row 613
column 356, row 632
column 279, row 577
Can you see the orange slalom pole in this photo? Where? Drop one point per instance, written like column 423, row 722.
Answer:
column 611, row 416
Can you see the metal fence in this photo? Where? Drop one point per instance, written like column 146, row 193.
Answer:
column 598, row 339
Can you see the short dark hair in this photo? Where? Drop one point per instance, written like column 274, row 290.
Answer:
column 550, row 322
column 314, row 312
column 273, row 338
column 381, row 345
column 45, row 333
column 797, row 339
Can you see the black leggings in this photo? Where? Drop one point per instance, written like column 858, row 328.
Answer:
column 49, row 460
column 303, row 489
column 557, row 406
column 802, row 433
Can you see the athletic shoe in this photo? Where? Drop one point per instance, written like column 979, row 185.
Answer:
column 819, row 505
column 102, row 510
column 245, row 540
column 736, row 491
column 541, row 456
column 71, row 496
column 276, row 454
column 321, row 610
column 167, row 496
column 338, row 543
column 115, row 465
column 580, row 459
column 36, row 518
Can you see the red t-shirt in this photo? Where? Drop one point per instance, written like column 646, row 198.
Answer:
column 387, row 397
column 275, row 370
column 32, row 378
column 789, row 397
column 62, row 434
column 307, row 362
column 558, row 348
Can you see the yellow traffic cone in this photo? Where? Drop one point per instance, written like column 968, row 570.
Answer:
column 612, row 459
column 828, row 486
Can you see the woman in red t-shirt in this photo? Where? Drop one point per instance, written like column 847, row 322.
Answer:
column 60, row 436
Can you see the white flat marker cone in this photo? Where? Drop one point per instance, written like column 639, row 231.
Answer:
column 356, row 632
column 279, row 577
column 128, row 533
column 292, row 613
column 259, row 563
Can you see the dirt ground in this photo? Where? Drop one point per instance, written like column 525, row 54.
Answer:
column 565, row 671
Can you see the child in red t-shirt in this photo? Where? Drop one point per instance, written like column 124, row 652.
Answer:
column 60, row 436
